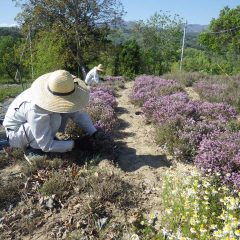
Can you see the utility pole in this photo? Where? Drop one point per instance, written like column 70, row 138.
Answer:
column 31, row 54
column 183, row 42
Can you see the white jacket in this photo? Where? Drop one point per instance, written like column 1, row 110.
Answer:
column 27, row 124
column 92, row 77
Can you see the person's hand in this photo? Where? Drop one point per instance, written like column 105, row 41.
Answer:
column 84, row 143
column 98, row 135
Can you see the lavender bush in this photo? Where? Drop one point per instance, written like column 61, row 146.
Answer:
column 216, row 111
column 168, row 108
column 114, row 82
column 191, row 134
column 101, row 109
column 114, row 78
column 102, row 97
column 181, row 123
column 221, row 154
column 210, row 91
column 103, row 117
column 146, row 87
column 220, row 90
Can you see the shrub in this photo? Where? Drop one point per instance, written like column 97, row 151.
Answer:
column 220, row 90
column 100, row 96
column 167, row 108
column 9, row 193
column 197, row 207
column 220, row 153
column 187, row 78
column 146, row 87
column 55, row 185
column 216, row 111
column 181, row 137
column 103, row 117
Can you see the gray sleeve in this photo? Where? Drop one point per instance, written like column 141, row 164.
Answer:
column 42, row 132
column 83, row 120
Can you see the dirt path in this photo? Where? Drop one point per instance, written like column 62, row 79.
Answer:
column 192, row 93
column 138, row 152
column 142, row 161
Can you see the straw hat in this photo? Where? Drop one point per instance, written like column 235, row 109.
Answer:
column 56, row 92
column 100, row 68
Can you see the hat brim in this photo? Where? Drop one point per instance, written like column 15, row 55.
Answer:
column 42, row 97
column 100, row 69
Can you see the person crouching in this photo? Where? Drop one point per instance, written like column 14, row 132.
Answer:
column 38, row 113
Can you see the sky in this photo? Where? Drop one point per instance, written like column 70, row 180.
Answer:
column 193, row 11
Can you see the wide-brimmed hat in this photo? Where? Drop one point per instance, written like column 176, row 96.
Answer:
column 100, row 68
column 56, row 92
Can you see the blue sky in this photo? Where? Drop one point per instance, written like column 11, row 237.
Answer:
column 199, row 11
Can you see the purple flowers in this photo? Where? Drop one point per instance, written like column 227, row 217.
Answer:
column 101, row 108
column 146, row 87
column 220, row 90
column 167, row 108
column 189, row 129
column 113, row 78
column 103, row 97
column 221, row 153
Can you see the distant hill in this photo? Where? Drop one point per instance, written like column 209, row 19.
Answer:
column 196, row 28
column 10, row 31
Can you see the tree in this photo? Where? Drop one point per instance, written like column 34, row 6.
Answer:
column 195, row 60
column 83, row 24
column 225, row 36
column 54, row 58
column 8, row 61
column 129, row 59
column 160, row 40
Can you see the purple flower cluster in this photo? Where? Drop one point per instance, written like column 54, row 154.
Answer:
column 207, row 89
column 194, row 129
column 221, row 153
column 103, row 117
column 168, row 108
column 101, row 108
column 102, row 96
column 146, row 87
column 216, row 111
column 178, row 105
column 188, row 128
column 220, row 90
column 113, row 78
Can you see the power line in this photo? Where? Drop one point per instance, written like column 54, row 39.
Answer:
column 224, row 31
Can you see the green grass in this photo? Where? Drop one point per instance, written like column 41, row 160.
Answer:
column 6, row 92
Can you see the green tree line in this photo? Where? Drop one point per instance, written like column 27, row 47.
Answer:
column 78, row 34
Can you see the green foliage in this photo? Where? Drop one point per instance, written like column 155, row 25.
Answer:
column 233, row 126
column 8, row 61
column 129, row 59
column 192, row 40
column 166, row 135
column 227, row 40
column 49, row 53
column 55, row 185
column 159, row 39
column 6, row 92
column 77, row 22
column 195, row 60
column 10, row 31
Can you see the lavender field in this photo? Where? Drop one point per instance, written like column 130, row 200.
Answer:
column 167, row 169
